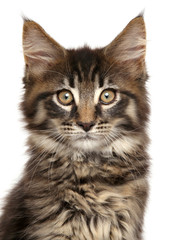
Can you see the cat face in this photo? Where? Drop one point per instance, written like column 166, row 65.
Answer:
column 86, row 109
column 85, row 99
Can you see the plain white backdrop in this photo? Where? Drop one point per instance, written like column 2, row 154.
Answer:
column 73, row 23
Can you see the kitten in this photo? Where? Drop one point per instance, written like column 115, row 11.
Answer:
column 86, row 111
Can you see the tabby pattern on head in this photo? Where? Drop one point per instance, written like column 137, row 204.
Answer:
column 86, row 111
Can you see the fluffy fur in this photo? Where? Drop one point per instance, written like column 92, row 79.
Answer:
column 86, row 178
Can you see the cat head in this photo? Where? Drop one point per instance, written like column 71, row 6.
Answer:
column 86, row 99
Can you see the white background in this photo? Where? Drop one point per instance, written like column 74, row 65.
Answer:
column 73, row 23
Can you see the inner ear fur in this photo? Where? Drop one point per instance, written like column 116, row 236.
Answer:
column 40, row 50
column 130, row 44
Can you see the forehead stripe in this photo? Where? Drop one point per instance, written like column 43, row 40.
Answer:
column 71, row 81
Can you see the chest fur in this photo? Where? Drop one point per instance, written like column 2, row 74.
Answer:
column 82, row 204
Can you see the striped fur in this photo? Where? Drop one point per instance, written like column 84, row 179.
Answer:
column 86, row 178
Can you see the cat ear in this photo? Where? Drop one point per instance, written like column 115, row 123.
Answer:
column 130, row 44
column 40, row 50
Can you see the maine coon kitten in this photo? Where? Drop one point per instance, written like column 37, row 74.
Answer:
column 86, row 111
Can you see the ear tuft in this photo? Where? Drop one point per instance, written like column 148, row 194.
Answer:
column 40, row 50
column 130, row 44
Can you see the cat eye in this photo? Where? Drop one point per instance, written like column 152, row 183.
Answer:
column 65, row 97
column 107, row 96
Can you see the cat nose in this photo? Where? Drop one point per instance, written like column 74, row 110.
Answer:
column 86, row 125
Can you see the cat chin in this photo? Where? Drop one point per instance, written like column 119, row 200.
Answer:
column 88, row 145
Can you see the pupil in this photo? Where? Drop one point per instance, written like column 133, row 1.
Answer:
column 66, row 96
column 106, row 95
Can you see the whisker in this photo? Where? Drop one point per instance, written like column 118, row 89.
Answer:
column 107, row 71
column 41, row 158
column 53, row 71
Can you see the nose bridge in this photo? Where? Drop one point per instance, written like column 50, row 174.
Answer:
column 86, row 111
column 86, row 108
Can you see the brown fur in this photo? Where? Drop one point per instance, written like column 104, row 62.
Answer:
column 74, row 187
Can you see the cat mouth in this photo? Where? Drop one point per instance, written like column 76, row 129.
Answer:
column 87, row 137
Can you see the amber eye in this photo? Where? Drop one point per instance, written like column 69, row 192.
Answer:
column 107, row 96
column 65, row 97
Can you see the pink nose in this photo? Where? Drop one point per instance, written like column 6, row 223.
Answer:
column 86, row 126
